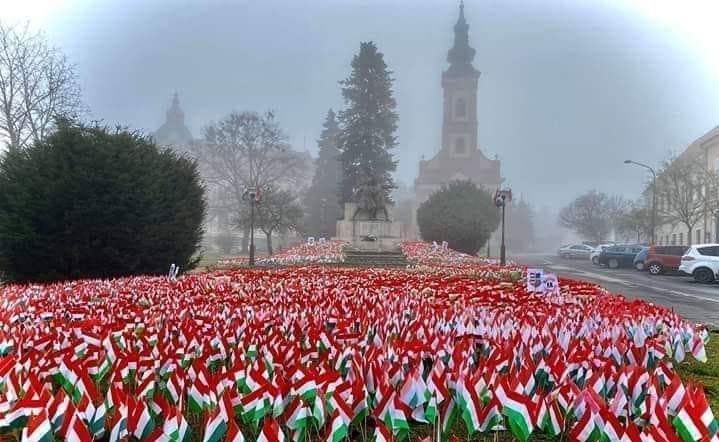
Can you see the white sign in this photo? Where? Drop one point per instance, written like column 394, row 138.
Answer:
column 311, row 241
column 174, row 270
column 535, row 280
column 551, row 283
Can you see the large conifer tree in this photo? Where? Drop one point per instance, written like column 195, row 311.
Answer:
column 321, row 202
column 367, row 124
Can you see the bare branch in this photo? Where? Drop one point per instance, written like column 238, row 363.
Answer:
column 37, row 86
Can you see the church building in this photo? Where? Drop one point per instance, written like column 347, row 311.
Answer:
column 173, row 132
column 459, row 157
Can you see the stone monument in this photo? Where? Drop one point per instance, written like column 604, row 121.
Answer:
column 367, row 224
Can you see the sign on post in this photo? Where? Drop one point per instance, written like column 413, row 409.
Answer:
column 535, row 280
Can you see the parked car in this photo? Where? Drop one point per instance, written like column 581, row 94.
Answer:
column 575, row 251
column 619, row 256
column 702, row 262
column 661, row 259
column 594, row 257
column 641, row 258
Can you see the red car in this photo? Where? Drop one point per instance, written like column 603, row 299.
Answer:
column 663, row 258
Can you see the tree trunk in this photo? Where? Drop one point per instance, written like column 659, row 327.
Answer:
column 269, row 243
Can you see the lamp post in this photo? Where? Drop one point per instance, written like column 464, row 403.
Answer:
column 501, row 198
column 654, row 192
column 323, row 202
column 253, row 195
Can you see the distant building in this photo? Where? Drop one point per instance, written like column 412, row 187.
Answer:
column 173, row 132
column 459, row 157
column 706, row 148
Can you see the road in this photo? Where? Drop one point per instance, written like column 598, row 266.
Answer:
column 695, row 302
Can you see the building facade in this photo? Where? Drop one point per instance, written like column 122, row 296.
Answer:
column 705, row 150
column 459, row 157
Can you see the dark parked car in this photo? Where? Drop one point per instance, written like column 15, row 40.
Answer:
column 619, row 256
column 664, row 258
column 641, row 258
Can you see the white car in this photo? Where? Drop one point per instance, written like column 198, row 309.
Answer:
column 575, row 251
column 702, row 262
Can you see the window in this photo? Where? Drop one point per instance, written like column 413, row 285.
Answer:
column 699, row 236
column 709, row 251
column 674, row 239
column 460, row 108
column 681, row 239
column 460, row 147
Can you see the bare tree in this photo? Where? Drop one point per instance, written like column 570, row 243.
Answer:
column 279, row 211
column 635, row 224
column 683, row 185
column 37, row 85
column 247, row 150
column 592, row 215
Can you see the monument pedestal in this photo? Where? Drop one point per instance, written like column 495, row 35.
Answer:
column 356, row 228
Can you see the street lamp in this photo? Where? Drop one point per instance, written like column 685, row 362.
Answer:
column 501, row 198
column 654, row 193
column 323, row 202
column 253, row 196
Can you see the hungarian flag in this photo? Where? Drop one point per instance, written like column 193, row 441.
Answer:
column 516, row 408
column 78, row 432
column 585, row 430
column 217, row 426
column 271, row 432
column 38, row 429
column 139, row 423
column 554, row 420
column 381, row 434
column 338, row 428
column 119, row 430
column 298, row 415
column 234, row 434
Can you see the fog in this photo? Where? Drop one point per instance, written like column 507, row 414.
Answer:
column 568, row 89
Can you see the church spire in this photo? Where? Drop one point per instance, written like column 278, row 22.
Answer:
column 461, row 55
column 174, row 114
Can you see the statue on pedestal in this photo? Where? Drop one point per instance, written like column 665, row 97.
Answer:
column 371, row 201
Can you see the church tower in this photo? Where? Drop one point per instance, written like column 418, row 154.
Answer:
column 173, row 132
column 459, row 86
column 459, row 156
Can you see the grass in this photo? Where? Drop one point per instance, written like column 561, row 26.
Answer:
column 705, row 373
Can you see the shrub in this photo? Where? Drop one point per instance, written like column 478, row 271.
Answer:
column 91, row 202
column 461, row 214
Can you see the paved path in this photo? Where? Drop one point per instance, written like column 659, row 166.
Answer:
column 695, row 302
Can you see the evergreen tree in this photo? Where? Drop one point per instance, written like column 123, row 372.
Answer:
column 461, row 214
column 320, row 200
column 88, row 202
column 367, row 125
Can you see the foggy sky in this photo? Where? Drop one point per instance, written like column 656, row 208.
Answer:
column 568, row 90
